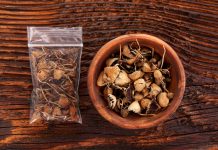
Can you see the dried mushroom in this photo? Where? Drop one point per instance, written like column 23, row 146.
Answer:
column 111, row 61
column 138, row 96
column 58, row 74
column 100, row 81
column 37, row 53
column 112, row 100
column 135, row 107
column 56, row 112
column 170, row 95
column 43, row 74
column 155, row 90
column 136, row 80
column 136, row 75
column 54, row 80
column 162, row 99
column 158, row 77
column 122, row 79
column 63, row 101
column 107, row 91
column 146, row 67
column 126, row 52
column 139, row 85
column 110, row 74
column 124, row 113
column 145, row 103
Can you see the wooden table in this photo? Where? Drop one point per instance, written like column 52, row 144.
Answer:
column 189, row 26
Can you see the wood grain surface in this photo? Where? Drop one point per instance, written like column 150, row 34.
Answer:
column 189, row 26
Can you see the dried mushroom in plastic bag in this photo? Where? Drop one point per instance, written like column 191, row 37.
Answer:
column 55, row 66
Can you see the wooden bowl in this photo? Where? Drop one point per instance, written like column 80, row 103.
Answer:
column 177, row 85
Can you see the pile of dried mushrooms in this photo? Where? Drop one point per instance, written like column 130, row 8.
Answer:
column 134, row 80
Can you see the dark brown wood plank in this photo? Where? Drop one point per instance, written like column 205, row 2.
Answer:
column 190, row 27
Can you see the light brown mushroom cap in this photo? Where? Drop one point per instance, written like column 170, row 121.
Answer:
column 139, row 85
column 145, row 103
column 126, row 52
column 110, row 61
column 138, row 96
column 134, row 107
column 146, row 67
column 136, row 75
column 58, row 74
column 122, row 79
column 111, row 73
column 162, row 99
column 100, row 81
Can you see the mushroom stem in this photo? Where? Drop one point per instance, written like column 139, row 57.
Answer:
column 162, row 61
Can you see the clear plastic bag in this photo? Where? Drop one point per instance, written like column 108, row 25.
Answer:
column 55, row 55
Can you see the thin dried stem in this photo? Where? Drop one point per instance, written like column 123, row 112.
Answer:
column 47, row 99
column 162, row 60
column 120, row 56
column 152, row 52
column 66, row 93
column 148, row 115
column 53, row 88
column 68, row 78
column 139, row 49
column 164, row 86
column 43, row 49
column 137, row 53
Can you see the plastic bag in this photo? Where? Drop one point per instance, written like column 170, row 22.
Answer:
column 55, row 55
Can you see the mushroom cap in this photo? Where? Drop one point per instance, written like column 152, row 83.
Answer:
column 146, row 67
column 42, row 64
column 126, row 52
column 138, row 96
column 37, row 53
column 100, row 81
column 136, row 75
column 111, row 73
column 155, row 90
column 157, row 74
column 145, row 103
column 170, row 95
column 162, row 99
column 110, row 61
column 135, row 107
column 155, row 87
column 112, row 101
column 139, row 85
column 58, row 74
column 56, row 111
column 107, row 91
column 63, row 101
column 122, row 79
column 43, row 74
column 124, row 113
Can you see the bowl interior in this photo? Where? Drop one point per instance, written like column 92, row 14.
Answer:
column 176, row 86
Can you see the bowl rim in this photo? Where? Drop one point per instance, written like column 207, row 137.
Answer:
column 107, row 113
